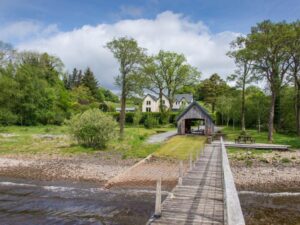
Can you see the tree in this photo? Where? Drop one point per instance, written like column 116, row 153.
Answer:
column 295, row 69
column 154, row 78
column 243, row 74
column 211, row 88
column 176, row 73
column 256, row 104
column 90, row 82
column 130, row 57
column 267, row 47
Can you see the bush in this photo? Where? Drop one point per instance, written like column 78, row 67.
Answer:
column 137, row 118
column 164, row 118
column 150, row 122
column 92, row 128
column 7, row 117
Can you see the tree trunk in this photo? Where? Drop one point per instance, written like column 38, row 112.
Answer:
column 213, row 107
column 271, row 117
column 298, row 109
column 277, row 119
column 243, row 109
column 227, row 121
column 123, row 106
column 161, row 107
column 258, row 124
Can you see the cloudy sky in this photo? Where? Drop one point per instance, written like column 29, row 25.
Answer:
column 76, row 31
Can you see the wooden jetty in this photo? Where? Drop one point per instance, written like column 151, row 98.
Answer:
column 205, row 195
column 254, row 146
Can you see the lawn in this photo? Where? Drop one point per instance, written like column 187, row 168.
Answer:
column 262, row 137
column 180, row 147
column 30, row 140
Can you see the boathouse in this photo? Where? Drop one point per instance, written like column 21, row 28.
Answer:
column 195, row 113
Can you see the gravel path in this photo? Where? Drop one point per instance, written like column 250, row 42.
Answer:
column 158, row 138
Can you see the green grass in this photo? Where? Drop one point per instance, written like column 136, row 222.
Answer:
column 180, row 147
column 26, row 141
column 25, row 130
column 133, row 145
column 262, row 137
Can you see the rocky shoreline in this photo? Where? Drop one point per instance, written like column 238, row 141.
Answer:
column 96, row 168
column 104, row 167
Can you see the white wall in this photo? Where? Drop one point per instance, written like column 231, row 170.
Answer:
column 153, row 105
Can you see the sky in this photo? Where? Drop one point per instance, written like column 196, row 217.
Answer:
column 76, row 31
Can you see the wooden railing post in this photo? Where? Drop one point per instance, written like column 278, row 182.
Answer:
column 180, row 173
column 191, row 161
column 157, row 212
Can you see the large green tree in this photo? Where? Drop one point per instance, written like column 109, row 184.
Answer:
column 267, row 47
column 130, row 57
column 210, row 89
column 243, row 75
column 169, row 72
column 90, row 81
column 295, row 69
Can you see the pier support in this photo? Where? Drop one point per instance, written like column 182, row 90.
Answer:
column 157, row 212
column 180, row 173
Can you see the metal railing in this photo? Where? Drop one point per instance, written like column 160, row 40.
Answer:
column 233, row 214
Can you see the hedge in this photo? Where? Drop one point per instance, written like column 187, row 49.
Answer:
column 160, row 117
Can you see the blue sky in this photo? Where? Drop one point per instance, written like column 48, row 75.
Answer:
column 77, row 30
column 219, row 15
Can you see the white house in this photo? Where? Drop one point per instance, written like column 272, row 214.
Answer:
column 151, row 103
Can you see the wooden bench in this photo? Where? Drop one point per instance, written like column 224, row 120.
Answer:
column 244, row 139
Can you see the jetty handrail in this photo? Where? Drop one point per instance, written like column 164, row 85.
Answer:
column 233, row 212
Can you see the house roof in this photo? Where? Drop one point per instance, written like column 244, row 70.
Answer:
column 151, row 96
column 196, row 104
column 178, row 97
column 188, row 97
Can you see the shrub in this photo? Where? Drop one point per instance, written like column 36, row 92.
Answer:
column 7, row 117
column 164, row 118
column 150, row 121
column 137, row 118
column 92, row 128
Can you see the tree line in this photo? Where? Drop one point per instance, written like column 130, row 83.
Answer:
column 36, row 90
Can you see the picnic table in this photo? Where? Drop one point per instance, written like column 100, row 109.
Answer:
column 244, row 139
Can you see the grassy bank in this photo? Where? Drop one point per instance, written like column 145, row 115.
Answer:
column 55, row 140
column 262, row 137
column 180, row 147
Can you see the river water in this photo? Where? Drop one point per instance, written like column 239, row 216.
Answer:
column 27, row 202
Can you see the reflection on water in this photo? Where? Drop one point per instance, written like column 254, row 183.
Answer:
column 27, row 203
column 270, row 208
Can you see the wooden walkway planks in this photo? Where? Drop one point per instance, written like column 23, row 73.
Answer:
column 200, row 198
column 254, row 145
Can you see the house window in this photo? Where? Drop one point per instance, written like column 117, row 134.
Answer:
column 148, row 109
column 163, row 102
column 148, row 103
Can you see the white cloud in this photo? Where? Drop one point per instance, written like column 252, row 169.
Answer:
column 168, row 31
column 23, row 30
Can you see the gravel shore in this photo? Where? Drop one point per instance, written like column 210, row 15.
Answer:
column 274, row 171
column 266, row 173
column 97, row 168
